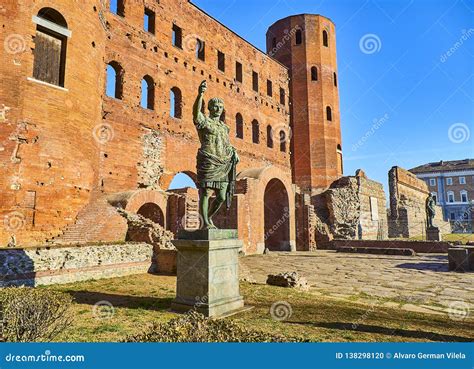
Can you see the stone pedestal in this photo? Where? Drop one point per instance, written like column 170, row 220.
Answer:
column 208, row 272
column 432, row 234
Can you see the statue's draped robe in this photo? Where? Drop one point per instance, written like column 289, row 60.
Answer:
column 215, row 158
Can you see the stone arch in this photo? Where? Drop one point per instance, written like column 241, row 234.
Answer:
column 276, row 216
column 167, row 178
column 153, row 212
column 258, row 181
column 149, row 203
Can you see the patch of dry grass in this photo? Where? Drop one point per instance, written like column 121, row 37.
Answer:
column 142, row 299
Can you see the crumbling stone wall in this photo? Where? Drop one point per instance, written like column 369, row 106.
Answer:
column 408, row 205
column 353, row 207
column 65, row 264
column 141, row 229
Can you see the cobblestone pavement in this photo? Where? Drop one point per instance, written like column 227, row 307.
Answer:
column 419, row 283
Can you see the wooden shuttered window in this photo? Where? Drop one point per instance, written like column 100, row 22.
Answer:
column 49, row 58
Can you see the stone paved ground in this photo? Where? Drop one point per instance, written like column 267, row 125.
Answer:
column 416, row 283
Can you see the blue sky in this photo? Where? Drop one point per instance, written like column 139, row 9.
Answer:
column 408, row 101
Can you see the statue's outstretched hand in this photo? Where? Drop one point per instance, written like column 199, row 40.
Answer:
column 202, row 87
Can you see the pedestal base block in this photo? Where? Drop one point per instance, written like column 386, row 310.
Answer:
column 432, row 234
column 208, row 272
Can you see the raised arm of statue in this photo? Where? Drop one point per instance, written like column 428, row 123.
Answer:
column 198, row 117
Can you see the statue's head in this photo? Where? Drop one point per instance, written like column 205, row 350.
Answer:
column 216, row 107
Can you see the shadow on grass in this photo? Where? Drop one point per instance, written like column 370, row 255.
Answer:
column 130, row 302
column 434, row 267
column 429, row 336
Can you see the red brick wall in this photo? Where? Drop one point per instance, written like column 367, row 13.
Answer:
column 63, row 166
column 315, row 161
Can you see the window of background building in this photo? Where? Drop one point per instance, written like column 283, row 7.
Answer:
column 464, row 196
column 435, row 196
column 432, row 182
column 452, row 216
column 450, row 196
column 449, row 181
column 462, row 180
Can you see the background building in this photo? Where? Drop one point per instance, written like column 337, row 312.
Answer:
column 452, row 184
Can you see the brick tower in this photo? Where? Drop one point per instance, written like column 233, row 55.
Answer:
column 306, row 44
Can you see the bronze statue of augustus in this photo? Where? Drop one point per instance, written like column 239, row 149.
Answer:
column 430, row 210
column 216, row 159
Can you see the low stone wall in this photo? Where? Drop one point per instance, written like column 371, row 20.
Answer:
column 417, row 246
column 65, row 264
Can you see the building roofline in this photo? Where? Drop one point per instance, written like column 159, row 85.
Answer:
column 443, row 166
column 236, row 34
column 301, row 15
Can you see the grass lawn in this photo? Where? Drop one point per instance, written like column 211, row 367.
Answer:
column 463, row 237
column 140, row 299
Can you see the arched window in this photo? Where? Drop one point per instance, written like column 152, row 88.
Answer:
column 282, row 137
column 148, row 93
column 325, row 38
column 269, row 137
column 114, row 83
column 117, row 7
column 335, row 78
column 328, row 113
column 239, row 126
column 340, row 163
column 175, row 103
column 49, row 63
column 464, row 197
column 255, row 132
column 298, row 37
column 314, row 74
column 450, row 196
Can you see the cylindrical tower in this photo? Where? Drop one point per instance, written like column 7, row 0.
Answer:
column 306, row 44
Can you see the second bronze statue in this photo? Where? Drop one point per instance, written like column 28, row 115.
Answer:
column 216, row 159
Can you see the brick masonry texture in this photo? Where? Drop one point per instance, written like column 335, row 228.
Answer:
column 64, row 150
